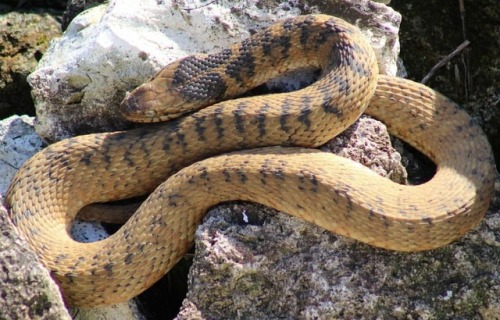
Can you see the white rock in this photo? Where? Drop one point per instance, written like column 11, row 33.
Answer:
column 108, row 50
column 111, row 49
column 18, row 142
column 122, row 311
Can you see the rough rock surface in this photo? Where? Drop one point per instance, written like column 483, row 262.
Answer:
column 27, row 290
column 23, row 39
column 110, row 49
column 367, row 142
column 255, row 263
column 18, row 142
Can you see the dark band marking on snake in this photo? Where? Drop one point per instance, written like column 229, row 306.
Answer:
column 185, row 161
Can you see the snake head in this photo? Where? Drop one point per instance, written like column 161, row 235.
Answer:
column 183, row 86
column 153, row 101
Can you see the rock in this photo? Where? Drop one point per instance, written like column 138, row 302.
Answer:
column 252, row 262
column 18, row 142
column 122, row 311
column 24, row 37
column 110, row 49
column 74, row 7
column 367, row 142
column 27, row 291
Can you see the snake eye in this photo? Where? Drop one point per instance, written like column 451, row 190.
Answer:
column 150, row 113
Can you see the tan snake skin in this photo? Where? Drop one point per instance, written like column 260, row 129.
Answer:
column 332, row 192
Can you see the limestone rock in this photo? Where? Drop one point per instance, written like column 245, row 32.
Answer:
column 112, row 48
column 18, row 142
column 27, row 290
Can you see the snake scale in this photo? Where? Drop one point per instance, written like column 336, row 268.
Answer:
column 186, row 160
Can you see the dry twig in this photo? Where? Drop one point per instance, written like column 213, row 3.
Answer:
column 441, row 63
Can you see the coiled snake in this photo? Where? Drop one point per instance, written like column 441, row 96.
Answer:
column 327, row 190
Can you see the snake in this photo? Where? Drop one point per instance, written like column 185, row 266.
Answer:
column 203, row 142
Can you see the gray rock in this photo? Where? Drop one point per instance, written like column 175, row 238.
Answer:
column 252, row 262
column 368, row 142
column 27, row 290
column 18, row 142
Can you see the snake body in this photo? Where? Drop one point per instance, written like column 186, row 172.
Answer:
column 332, row 192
